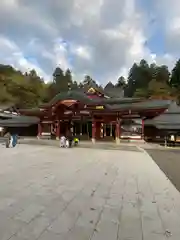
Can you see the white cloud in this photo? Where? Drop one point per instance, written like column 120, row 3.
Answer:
column 10, row 53
column 99, row 37
column 168, row 12
column 82, row 52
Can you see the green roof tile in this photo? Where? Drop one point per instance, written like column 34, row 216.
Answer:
column 70, row 95
column 19, row 121
column 170, row 119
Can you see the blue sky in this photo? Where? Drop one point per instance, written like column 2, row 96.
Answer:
column 102, row 38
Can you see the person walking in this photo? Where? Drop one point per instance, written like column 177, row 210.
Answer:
column 14, row 140
column 70, row 139
column 7, row 135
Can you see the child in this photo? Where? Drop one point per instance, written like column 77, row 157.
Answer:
column 76, row 141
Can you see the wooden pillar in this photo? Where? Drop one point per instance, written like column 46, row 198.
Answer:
column 52, row 128
column 105, row 130
column 93, row 131
column 87, row 129
column 98, row 130
column 117, row 131
column 81, row 127
column 142, row 136
column 39, row 130
column 102, row 130
column 74, row 129
column 165, row 141
column 57, row 130
column 111, row 129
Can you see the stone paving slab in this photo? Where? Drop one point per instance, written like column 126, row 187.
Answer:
column 110, row 145
column 82, row 194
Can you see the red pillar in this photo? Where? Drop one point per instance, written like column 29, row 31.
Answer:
column 98, row 130
column 39, row 130
column 57, row 130
column 117, row 131
column 93, row 131
column 111, row 129
column 102, row 131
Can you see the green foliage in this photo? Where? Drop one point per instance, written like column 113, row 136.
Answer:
column 151, row 81
column 175, row 76
column 27, row 90
column 121, row 82
column 22, row 90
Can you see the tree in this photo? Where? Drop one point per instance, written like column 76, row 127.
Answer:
column 74, row 85
column 87, row 80
column 68, row 77
column 160, row 73
column 29, row 90
column 132, row 81
column 49, row 92
column 22, row 90
column 139, row 78
column 121, row 82
column 59, row 81
column 175, row 76
column 144, row 75
column 159, row 90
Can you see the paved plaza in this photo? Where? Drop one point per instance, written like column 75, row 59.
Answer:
column 48, row 193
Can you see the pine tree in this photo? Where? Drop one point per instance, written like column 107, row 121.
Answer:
column 175, row 76
column 60, row 81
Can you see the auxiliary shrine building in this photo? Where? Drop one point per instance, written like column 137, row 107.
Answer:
column 93, row 114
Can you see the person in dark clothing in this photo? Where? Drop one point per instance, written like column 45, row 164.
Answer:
column 69, row 138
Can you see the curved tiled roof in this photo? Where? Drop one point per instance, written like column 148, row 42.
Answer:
column 82, row 97
column 136, row 104
column 170, row 119
column 18, row 121
column 70, row 95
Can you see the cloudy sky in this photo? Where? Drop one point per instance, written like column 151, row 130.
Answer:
column 101, row 38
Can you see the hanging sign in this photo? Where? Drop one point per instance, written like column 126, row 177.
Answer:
column 99, row 107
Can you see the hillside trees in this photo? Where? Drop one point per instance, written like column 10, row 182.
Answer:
column 27, row 90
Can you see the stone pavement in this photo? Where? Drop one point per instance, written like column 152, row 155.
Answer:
column 47, row 193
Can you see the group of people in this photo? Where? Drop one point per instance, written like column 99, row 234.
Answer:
column 11, row 140
column 67, row 142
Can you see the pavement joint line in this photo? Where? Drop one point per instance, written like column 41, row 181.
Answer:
column 46, row 229
column 140, row 212
column 43, row 210
column 100, row 214
column 120, row 210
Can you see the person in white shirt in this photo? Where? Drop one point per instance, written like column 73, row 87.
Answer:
column 67, row 143
column 63, row 141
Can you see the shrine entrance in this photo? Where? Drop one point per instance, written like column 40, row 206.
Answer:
column 63, row 128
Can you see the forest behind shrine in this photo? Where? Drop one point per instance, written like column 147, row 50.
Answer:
column 27, row 90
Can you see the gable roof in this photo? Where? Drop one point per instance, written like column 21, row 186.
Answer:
column 94, row 85
column 138, row 104
column 111, row 91
column 170, row 119
column 70, row 95
column 19, row 121
column 6, row 107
